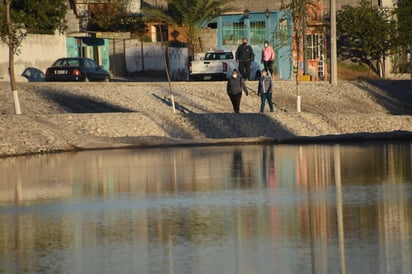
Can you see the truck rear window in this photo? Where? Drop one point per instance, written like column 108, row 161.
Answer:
column 218, row 56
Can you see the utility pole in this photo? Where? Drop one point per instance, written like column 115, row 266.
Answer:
column 333, row 46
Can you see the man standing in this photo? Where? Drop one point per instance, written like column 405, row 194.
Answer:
column 244, row 56
column 268, row 55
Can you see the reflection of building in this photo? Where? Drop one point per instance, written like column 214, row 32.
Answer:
column 159, row 206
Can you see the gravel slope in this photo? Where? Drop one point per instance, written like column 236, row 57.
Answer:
column 66, row 116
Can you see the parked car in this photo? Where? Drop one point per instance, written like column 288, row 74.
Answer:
column 33, row 74
column 219, row 64
column 255, row 71
column 76, row 69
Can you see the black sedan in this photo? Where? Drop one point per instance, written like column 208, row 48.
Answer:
column 76, row 69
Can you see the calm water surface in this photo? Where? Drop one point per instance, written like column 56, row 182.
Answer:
column 240, row 209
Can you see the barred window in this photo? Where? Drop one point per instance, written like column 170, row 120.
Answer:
column 233, row 33
column 314, row 46
column 257, row 32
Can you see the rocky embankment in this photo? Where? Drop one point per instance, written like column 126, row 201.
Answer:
column 68, row 116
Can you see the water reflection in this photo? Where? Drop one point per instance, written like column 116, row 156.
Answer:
column 248, row 209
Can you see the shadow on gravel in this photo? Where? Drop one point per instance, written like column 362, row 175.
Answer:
column 168, row 103
column 231, row 125
column 72, row 103
column 394, row 95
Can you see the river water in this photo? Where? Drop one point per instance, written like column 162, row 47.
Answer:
column 232, row 209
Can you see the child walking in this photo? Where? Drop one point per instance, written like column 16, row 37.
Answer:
column 265, row 89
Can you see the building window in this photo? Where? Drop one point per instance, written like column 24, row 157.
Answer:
column 233, row 33
column 281, row 34
column 162, row 33
column 257, row 32
column 314, row 46
column 158, row 33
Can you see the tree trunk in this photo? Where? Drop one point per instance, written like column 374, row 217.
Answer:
column 166, row 64
column 141, row 52
column 410, row 50
column 298, row 41
column 11, row 59
column 381, row 67
column 298, row 100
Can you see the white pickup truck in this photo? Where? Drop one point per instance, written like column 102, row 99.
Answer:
column 219, row 64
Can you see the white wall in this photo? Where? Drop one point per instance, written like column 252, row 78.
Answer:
column 38, row 51
column 153, row 59
column 178, row 59
column 133, row 6
column 152, row 54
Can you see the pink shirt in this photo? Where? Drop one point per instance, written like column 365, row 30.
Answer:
column 268, row 54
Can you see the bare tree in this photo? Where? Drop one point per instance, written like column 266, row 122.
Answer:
column 13, row 39
column 17, row 17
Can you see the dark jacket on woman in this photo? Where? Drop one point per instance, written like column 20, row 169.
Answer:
column 236, row 85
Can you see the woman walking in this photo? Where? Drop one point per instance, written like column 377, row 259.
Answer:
column 234, row 88
column 268, row 56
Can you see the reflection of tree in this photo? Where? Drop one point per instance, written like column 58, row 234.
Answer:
column 272, row 169
column 238, row 173
column 268, row 162
column 237, row 166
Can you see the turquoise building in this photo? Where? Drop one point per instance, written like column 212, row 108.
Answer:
column 91, row 47
column 275, row 27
